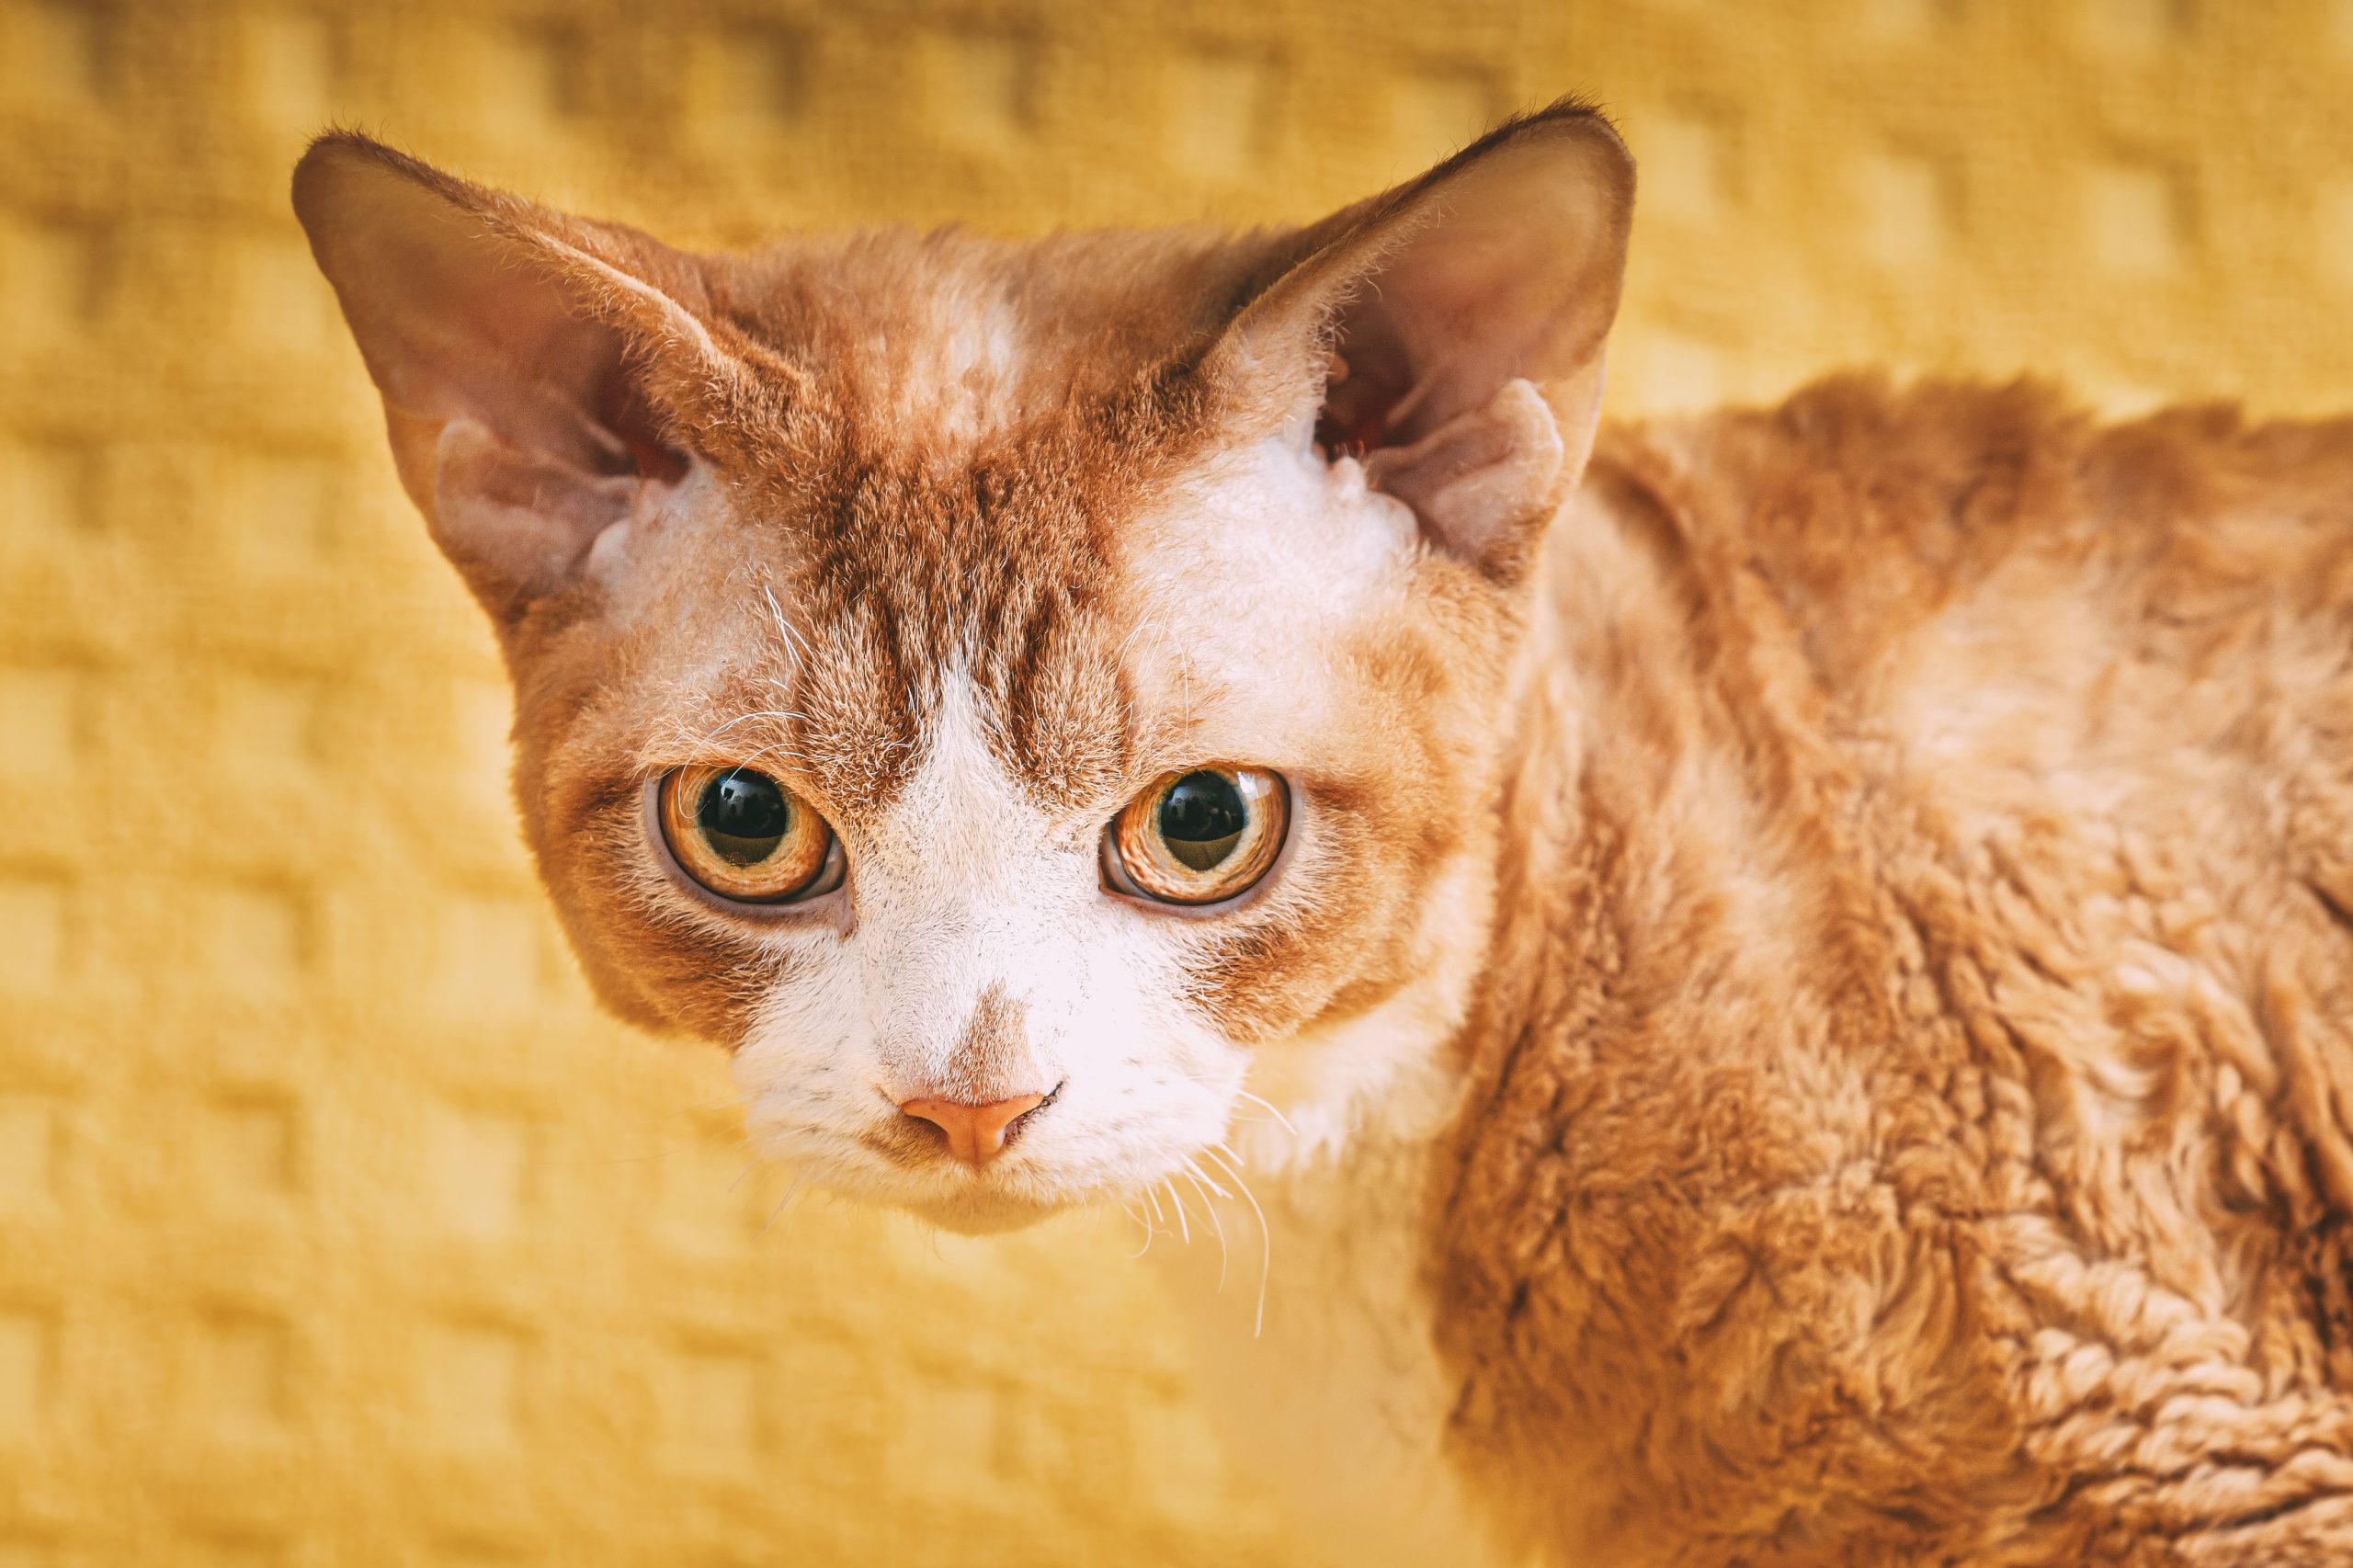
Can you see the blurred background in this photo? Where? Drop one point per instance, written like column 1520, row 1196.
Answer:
column 335, row 1227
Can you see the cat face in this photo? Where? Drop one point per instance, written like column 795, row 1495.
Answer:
column 969, row 741
column 1022, row 701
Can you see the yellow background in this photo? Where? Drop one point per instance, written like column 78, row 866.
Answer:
column 334, row 1226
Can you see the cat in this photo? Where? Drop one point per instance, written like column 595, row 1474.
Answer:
column 1781, row 979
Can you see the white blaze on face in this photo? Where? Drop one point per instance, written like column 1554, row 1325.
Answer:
column 967, row 892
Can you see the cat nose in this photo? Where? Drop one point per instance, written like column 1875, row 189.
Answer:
column 976, row 1132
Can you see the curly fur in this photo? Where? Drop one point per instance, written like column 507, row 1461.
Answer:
column 1909, row 1113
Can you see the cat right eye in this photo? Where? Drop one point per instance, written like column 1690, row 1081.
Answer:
column 745, row 836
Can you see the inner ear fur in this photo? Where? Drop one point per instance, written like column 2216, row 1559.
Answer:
column 1450, row 333
column 511, row 346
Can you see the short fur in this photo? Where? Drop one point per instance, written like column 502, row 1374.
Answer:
column 1806, row 1012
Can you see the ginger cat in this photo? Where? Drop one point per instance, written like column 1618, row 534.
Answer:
column 1784, row 980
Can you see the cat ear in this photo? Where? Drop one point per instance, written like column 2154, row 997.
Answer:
column 1449, row 334
column 510, row 345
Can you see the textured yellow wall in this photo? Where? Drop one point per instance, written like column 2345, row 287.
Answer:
column 334, row 1226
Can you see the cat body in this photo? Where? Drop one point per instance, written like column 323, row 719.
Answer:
column 1767, row 988
column 1969, row 962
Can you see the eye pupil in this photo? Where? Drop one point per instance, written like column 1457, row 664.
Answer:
column 1201, row 819
column 743, row 816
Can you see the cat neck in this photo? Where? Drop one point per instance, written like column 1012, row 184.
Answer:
column 1564, row 897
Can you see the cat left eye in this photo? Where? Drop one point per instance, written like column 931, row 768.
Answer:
column 746, row 837
column 1200, row 836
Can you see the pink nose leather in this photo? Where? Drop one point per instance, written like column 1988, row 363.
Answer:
column 976, row 1132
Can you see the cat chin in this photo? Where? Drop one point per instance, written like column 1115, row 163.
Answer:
column 982, row 1213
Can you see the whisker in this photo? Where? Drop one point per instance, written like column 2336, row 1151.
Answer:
column 778, row 714
column 772, row 746
column 1183, row 1230
column 1242, row 1094
column 799, row 649
column 1129, row 640
column 1232, row 1167
column 1284, row 1120
column 790, row 1194
column 1139, row 1219
column 1193, row 1174
column 1203, row 1175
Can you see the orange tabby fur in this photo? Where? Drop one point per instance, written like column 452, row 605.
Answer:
column 1868, row 891
column 1911, row 1120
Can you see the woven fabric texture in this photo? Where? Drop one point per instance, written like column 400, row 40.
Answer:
column 335, row 1226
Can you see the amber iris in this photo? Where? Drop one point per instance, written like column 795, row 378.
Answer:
column 1199, row 837
column 746, row 837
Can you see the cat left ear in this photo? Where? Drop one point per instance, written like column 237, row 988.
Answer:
column 1449, row 334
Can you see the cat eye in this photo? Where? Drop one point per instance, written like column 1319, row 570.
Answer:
column 1199, row 837
column 746, row 837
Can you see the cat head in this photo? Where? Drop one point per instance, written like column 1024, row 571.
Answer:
column 1026, row 700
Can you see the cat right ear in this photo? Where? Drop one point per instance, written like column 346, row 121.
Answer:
column 511, row 346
